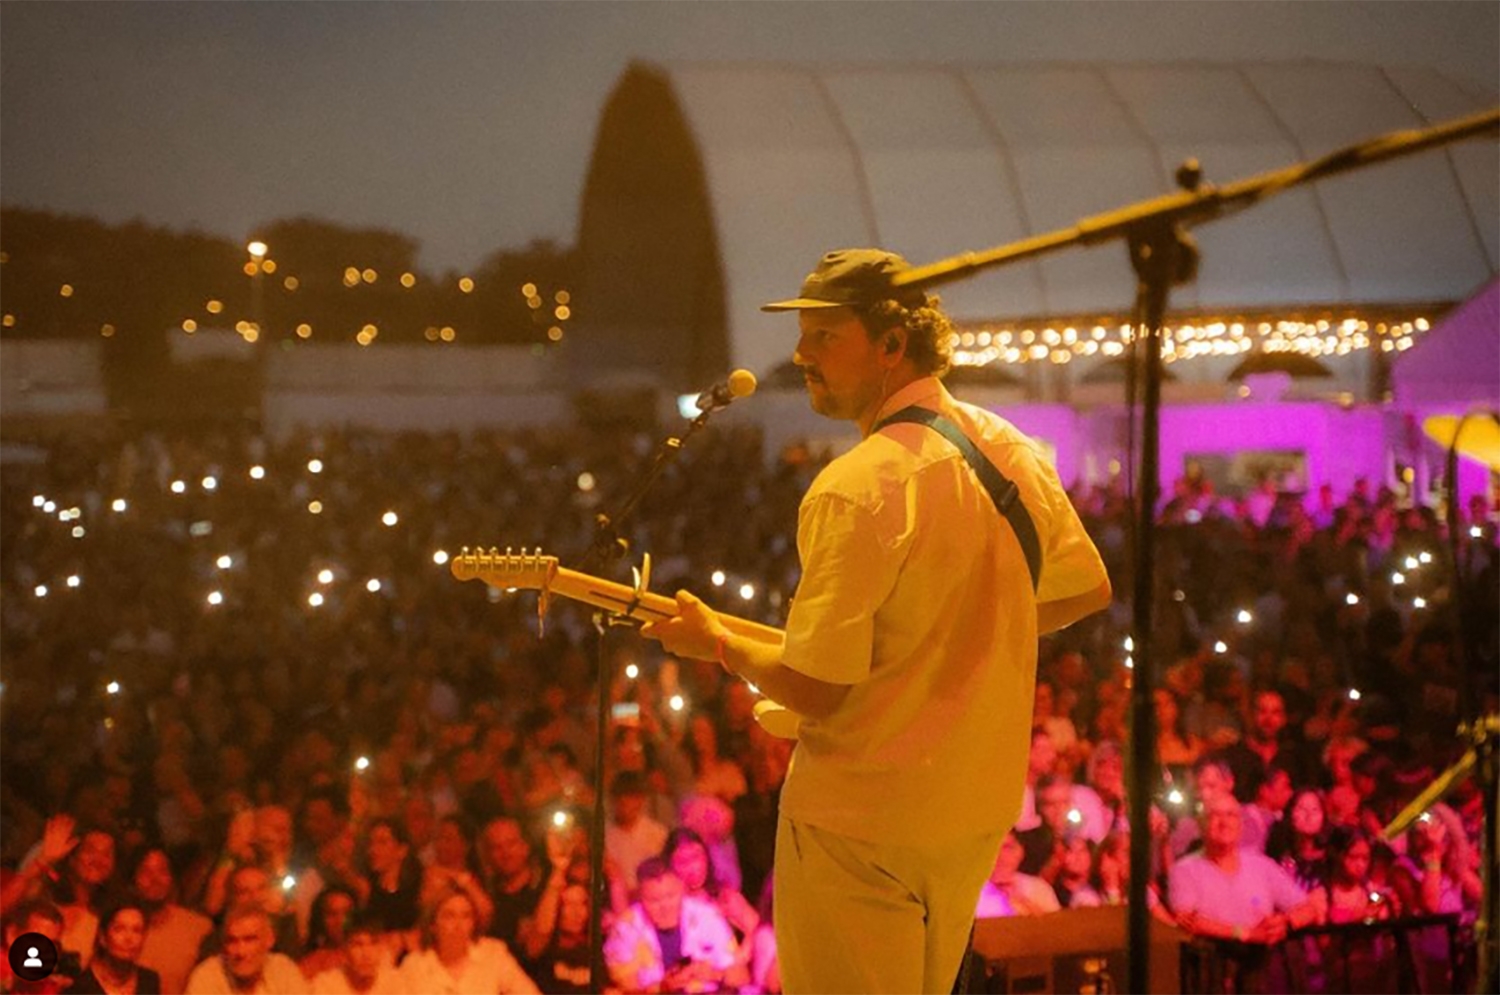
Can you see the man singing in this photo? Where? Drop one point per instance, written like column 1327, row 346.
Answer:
column 933, row 554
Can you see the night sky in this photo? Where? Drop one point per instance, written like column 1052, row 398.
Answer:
column 469, row 125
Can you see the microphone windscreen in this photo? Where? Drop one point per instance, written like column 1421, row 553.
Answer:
column 741, row 383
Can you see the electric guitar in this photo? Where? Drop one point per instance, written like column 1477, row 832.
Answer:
column 532, row 571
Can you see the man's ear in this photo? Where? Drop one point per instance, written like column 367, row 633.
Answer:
column 895, row 342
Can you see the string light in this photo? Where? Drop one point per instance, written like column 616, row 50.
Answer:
column 118, row 505
column 1329, row 334
column 632, row 671
column 440, row 557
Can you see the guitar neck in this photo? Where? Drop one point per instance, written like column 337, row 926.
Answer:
column 622, row 599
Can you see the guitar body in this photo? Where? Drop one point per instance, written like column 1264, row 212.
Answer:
column 533, row 571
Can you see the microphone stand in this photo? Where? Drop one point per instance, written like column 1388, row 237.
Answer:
column 1480, row 730
column 1163, row 255
column 609, row 546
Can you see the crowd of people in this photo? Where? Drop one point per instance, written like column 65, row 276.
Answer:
column 257, row 737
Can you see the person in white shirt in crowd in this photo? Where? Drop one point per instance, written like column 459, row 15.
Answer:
column 366, row 968
column 1230, row 892
column 246, row 963
column 631, row 836
column 671, row 941
column 454, row 960
column 174, row 933
column 1008, row 892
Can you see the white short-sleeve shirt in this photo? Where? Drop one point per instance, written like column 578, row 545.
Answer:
column 915, row 591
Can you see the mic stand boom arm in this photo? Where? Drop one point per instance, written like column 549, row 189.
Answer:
column 1193, row 205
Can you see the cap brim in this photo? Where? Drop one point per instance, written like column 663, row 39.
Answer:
column 799, row 304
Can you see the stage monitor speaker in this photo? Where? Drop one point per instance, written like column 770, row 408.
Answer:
column 1076, row 950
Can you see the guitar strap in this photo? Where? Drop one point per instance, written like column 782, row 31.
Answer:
column 1002, row 491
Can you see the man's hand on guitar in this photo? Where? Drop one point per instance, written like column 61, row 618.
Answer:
column 694, row 633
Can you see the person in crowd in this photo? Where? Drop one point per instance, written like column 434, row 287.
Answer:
column 514, row 881
column 1075, row 868
column 1339, row 755
column 1299, row 841
column 39, row 916
column 1439, row 874
column 392, row 890
column 1212, row 779
column 568, row 863
column 331, row 913
column 245, row 962
column 364, row 966
column 713, row 774
column 687, row 855
column 1058, row 801
column 561, row 964
column 1105, row 773
column 71, row 867
column 115, row 968
column 1041, row 760
column 1271, row 799
column 1177, row 749
column 1350, row 894
column 1059, row 726
column 1009, row 892
column 174, row 932
column 453, row 865
column 251, row 885
column 670, row 941
column 631, row 835
column 714, row 822
column 455, row 960
column 1229, row 892
column 1268, row 741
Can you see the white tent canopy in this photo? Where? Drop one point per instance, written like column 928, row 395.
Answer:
column 934, row 160
column 1458, row 362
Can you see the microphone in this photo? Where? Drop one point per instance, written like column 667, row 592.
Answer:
column 740, row 383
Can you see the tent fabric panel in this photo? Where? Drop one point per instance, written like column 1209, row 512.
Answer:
column 1197, row 105
column 1404, row 232
column 895, row 110
column 1054, row 106
column 777, row 213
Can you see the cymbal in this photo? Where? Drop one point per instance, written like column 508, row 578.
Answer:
column 1480, row 439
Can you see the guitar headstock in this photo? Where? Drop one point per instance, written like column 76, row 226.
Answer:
column 525, row 569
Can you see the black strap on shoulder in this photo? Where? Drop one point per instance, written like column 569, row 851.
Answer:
column 1005, row 494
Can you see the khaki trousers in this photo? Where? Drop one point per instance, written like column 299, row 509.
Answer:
column 853, row 916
